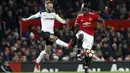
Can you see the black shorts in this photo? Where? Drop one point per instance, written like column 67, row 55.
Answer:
column 46, row 37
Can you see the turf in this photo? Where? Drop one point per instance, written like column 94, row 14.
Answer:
column 70, row 72
column 93, row 72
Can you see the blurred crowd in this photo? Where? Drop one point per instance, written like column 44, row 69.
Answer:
column 110, row 45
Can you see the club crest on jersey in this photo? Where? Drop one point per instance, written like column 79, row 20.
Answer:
column 82, row 20
column 90, row 19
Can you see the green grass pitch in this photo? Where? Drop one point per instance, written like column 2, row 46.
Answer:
column 70, row 72
column 92, row 72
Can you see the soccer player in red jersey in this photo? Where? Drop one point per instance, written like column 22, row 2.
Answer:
column 85, row 35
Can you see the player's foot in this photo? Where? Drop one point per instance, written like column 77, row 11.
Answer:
column 86, row 70
column 70, row 44
column 37, row 64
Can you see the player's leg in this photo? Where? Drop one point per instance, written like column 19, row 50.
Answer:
column 79, row 46
column 74, row 41
column 88, row 52
column 38, row 60
column 80, row 38
column 79, row 42
column 47, row 49
column 87, row 59
column 42, row 55
column 60, row 42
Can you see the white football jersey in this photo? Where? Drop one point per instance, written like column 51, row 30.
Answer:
column 47, row 20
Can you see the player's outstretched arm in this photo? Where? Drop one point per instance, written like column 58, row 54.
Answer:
column 58, row 18
column 37, row 15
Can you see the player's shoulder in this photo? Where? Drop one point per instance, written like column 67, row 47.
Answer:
column 92, row 13
column 42, row 12
column 54, row 13
column 79, row 15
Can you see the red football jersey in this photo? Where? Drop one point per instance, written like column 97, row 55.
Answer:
column 86, row 22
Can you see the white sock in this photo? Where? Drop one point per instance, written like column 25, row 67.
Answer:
column 41, row 56
column 60, row 42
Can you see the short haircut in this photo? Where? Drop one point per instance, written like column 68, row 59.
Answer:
column 47, row 2
column 86, row 5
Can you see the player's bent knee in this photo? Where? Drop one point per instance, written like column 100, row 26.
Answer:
column 42, row 53
column 81, row 36
column 53, row 38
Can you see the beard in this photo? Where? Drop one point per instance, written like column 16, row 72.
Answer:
column 49, row 11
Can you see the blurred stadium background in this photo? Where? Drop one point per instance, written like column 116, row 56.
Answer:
column 20, row 41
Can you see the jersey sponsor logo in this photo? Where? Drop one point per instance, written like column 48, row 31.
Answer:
column 49, row 18
column 87, row 24
column 46, row 16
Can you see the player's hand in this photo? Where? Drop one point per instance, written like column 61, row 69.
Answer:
column 67, row 21
column 23, row 19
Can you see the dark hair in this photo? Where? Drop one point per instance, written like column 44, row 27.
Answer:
column 86, row 5
column 47, row 2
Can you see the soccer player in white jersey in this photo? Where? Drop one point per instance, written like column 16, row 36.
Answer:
column 47, row 31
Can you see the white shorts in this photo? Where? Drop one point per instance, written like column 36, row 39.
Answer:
column 87, row 40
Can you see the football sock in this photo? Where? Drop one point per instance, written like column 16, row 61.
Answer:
column 60, row 42
column 41, row 56
column 74, row 41
column 87, row 61
column 79, row 43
